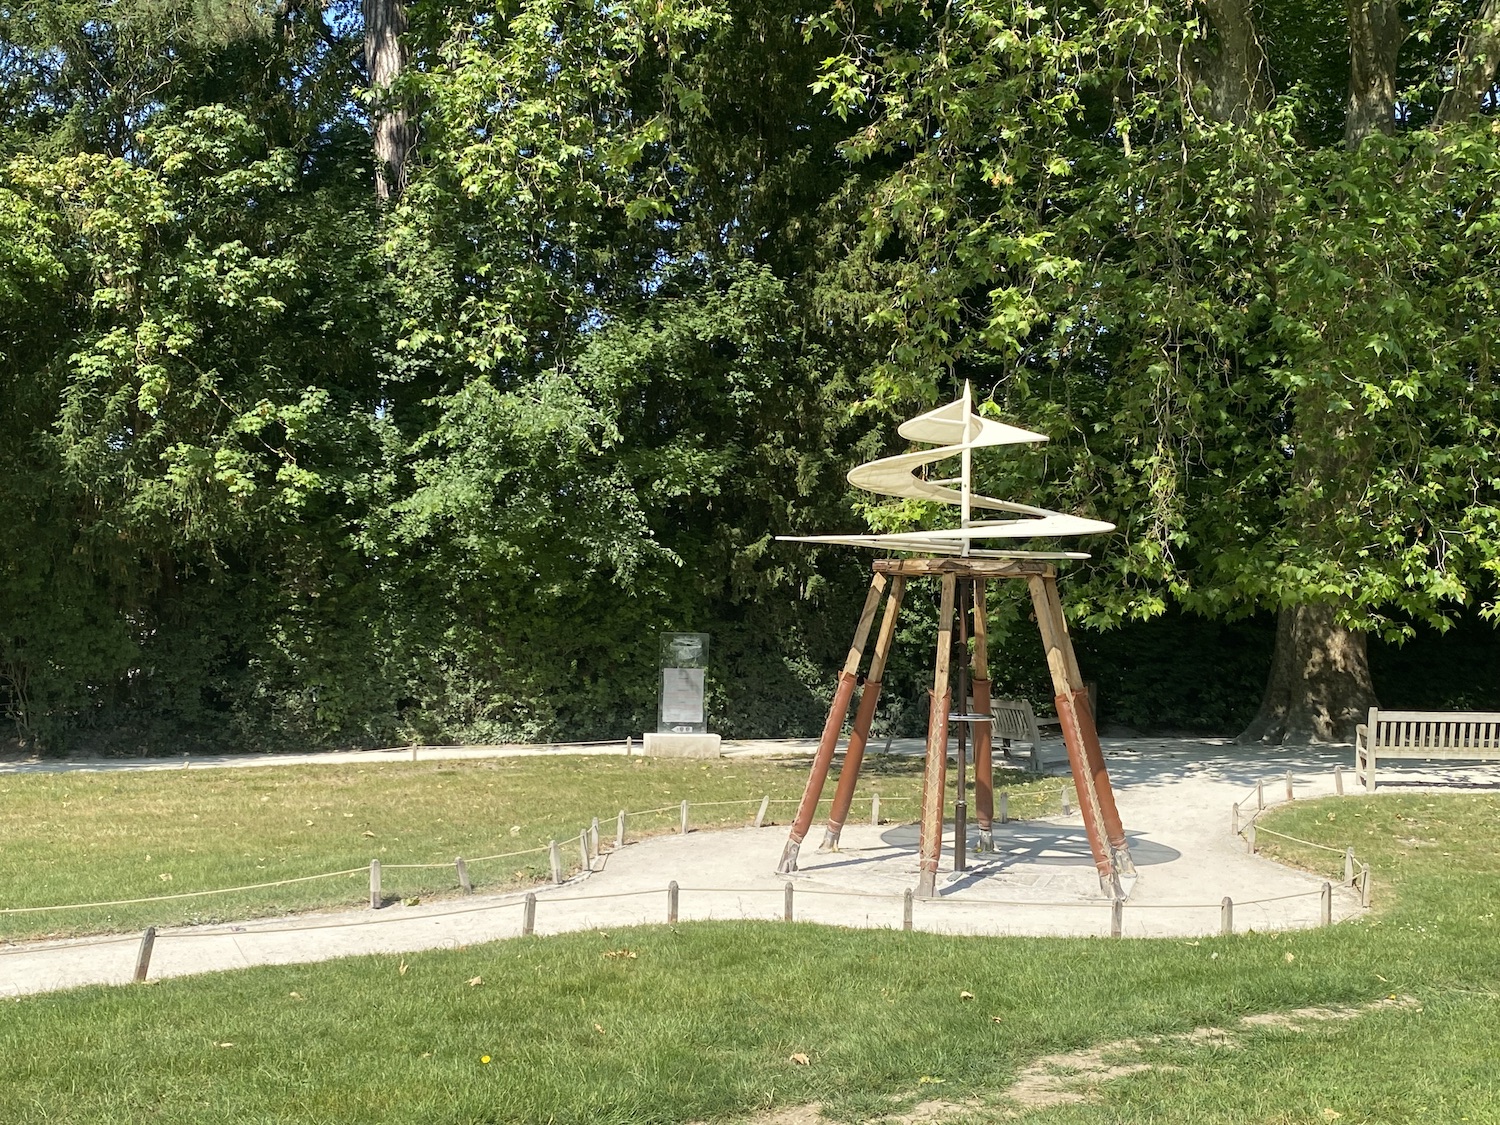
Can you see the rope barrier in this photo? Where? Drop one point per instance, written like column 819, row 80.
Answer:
column 500, row 855
column 184, row 894
column 613, row 894
column 1298, row 840
column 1095, row 904
column 82, row 943
column 374, row 920
column 1252, row 817
column 476, row 859
column 1277, row 898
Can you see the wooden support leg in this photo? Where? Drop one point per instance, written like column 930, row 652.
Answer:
column 1114, row 830
column 984, row 770
column 842, row 695
column 854, row 753
column 961, row 783
column 935, row 773
column 1066, row 681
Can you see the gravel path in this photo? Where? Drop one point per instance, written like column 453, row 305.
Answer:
column 1175, row 798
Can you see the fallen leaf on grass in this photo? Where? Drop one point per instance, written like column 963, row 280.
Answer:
column 599, row 1029
column 997, row 1019
column 475, row 982
column 966, row 996
column 223, row 1044
column 929, row 1080
column 371, row 835
column 1289, row 957
column 800, row 1059
column 401, row 968
column 628, row 954
column 413, row 901
column 1331, row 1115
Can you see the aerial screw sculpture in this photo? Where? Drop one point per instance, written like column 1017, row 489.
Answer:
column 964, row 560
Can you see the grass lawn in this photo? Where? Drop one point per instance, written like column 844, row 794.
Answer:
column 97, row 837
column 706, row 1021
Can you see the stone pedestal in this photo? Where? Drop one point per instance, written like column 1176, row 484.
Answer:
column 662, row 745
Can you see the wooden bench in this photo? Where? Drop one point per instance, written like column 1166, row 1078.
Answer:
column 1016, row 722
column 1438, row 735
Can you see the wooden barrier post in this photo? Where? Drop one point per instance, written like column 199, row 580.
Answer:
column 528, row 916
column 1364, row 884
column 684, row 818
column 1117, row 918
column 786, row 905
column 463, row 875
column 1234, row 819
column 760, row 817
column 875, row 810
column 1226, row 916
column 1250, row 838
column 1002, row 814
column 1327, row 904
column 143, row 956
column 594, row 837
column 1260, row 795
column 1067, row 806
column 583, row 850
column 1289, row 796
column 620, row 831
column 629, row 745
column 906, row 908
column 374, row 884
column 672, row 901
column 554, row 856
column 1338, row 780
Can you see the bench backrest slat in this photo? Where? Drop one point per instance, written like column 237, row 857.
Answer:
column 1014, row 719
column 1436, row 730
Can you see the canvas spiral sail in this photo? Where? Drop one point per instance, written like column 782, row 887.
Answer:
column 957, row 431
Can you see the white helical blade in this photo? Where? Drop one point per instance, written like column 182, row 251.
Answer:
column 956, row 430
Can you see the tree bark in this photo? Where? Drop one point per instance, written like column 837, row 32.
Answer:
column 1476, row 67
column 1320, row 685
column 1375, row 36
column 1231, row 67
column 393, row 131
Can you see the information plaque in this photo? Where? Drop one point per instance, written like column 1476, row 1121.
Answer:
column 684, row 659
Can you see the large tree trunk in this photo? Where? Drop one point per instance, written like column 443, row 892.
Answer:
column 1320, row 671
column 1475, row 68
column 1230, row 67
column 1375, row 35
column 1320, row 686
column 395, row 134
